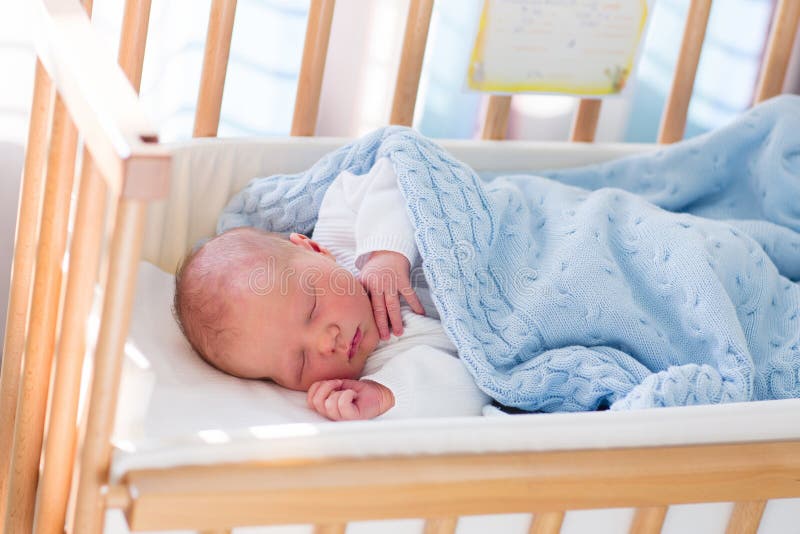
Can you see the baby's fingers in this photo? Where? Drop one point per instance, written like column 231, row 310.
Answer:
column 411, row 297
column 332, row 405
column 322, row 393
column 393, row 309
column 347, row 406
column 379, row 310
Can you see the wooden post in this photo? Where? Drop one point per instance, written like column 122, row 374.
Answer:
column 441, row 525
column 332, row 528
column 102, row 405
column 215, row 67
column 315, row 51
column 495, row 126
column 547, row 523
column 416, row 36
column 673, row 122
column 30, row 201
column 40, row 343
column 648, row 520
column 746, row 517
column 584, row 127
column 779, row 48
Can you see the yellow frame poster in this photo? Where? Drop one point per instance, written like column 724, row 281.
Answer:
column 575, row 47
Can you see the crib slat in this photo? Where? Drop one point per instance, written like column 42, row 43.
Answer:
column 215, row 67
column 61, row 436
column 416, row 36
column 315, row 51
column 441, row 525
column 495, row 126
column 332, row 528
column 30, row 201
column 673, row 122
column 648, row 520
column 40, row 344
column 584, row 127
column 133, row 40
column 776, row 59
column 746, row 517
column 102, row 403
column 547, row 523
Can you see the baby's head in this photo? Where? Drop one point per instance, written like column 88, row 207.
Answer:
column 257, row 305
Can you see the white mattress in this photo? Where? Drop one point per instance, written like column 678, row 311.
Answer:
column 175, row 410
column 218, row 443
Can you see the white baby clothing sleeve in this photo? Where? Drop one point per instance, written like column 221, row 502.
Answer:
column 428, row 382
column 381, row 219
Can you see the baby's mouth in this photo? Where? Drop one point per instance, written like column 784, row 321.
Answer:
column 354, row 344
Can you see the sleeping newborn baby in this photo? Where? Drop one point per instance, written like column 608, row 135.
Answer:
column 325, row 315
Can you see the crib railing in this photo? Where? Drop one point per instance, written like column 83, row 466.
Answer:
column 81, row 95
column 77, row 95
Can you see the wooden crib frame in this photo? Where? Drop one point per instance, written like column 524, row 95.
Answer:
column 80, row 92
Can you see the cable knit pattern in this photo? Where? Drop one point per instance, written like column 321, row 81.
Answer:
column 563, row 299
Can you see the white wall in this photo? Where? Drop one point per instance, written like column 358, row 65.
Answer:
column 16, row 88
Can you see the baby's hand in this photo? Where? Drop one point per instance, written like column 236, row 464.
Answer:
column 343, row 400
column 386, row 275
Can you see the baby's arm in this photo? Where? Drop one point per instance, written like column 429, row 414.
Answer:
column 385, row 246
column 423, row 382
column 382, row 221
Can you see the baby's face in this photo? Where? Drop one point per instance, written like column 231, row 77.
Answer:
column 310, row 321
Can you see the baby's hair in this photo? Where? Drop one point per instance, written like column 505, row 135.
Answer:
column 216, row 268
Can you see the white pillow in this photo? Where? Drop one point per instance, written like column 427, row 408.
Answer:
column 167, row 390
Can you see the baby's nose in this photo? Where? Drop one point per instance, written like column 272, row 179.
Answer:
column 331, row 341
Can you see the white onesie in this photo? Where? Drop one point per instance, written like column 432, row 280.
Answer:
column 366, row 213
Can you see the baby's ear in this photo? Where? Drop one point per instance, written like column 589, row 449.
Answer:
column 304, row 241
column 309, row 244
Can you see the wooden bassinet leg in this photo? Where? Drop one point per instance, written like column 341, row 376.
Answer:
column 444, row 525
column 40, row 343
column 746, row 517
column 547, row 523
column 332, row 528
column 22, row 272
column 648, row 520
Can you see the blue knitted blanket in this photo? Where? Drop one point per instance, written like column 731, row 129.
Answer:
column 581, row 290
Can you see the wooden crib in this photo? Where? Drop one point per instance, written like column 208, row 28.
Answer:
column 80, row 96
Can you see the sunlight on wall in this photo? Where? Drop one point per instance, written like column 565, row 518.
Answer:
column 383, row 45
